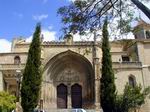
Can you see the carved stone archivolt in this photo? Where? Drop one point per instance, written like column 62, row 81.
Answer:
column 68, row 75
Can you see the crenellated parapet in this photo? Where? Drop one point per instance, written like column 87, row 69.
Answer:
column 76, row 43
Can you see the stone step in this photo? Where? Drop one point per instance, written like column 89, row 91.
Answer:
column 71, row 110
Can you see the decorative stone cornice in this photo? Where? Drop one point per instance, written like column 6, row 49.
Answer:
column 145, row 66
column 127, row 65
column 11, row 67
column 78, row 43
column 13, row 53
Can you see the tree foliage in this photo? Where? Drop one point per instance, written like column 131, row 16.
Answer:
column 31, row 83
column 82, row 16
column 108, row 89
column 7, row 101
column 131, row 99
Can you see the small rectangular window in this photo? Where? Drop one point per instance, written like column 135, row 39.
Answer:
column 147, row 34
column 125, row 58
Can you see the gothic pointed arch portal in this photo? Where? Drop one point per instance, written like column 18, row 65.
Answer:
column 76, row 74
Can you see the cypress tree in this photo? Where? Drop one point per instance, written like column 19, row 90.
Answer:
column 31, row 82
column 108, row 89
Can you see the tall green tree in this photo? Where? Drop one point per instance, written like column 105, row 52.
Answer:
column 32, row 77
column 108, row 88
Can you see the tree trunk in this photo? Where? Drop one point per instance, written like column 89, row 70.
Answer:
column 142, row 7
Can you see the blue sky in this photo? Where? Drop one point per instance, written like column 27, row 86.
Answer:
column 19, row 18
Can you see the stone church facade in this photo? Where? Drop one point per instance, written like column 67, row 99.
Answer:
column 72, row 70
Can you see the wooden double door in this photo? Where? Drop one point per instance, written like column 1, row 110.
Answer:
column 62, row 96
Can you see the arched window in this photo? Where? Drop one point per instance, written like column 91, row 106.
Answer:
column 132, row 81
column 17, row 60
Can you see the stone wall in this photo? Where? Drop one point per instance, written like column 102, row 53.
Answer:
column 8, row 58
column 87, row 51
column 1, row 81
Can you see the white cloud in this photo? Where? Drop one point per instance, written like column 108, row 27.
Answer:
column 48, row 35
column 89, row 37
column 75, row 0
column 72, row 0
column 147, row 4
column 78, row 37
column 19, row 15
column 5, row 46
column 45, row 1
column 29, row 39
column 40, row 17
column 144, row 17
column 50, row 27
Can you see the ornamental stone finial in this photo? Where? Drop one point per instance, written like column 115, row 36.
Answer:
column 68, row 39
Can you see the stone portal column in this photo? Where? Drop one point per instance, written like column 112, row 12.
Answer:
column 97, row 83
column 69, row 104
column 1, row 81
column 8, row 87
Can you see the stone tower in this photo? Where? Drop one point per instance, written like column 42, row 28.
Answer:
column 142, row 30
